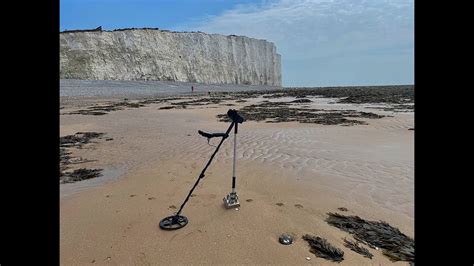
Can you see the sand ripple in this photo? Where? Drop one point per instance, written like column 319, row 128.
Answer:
column 381, row 168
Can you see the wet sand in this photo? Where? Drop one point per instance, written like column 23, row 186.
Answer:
column 289, row 175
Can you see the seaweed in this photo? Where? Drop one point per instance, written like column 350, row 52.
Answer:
column 323, row 249
column 397, row 246
column 77, row 140
column 79, row 175
column 276, row 112
column 105, row 109
column 354, row 246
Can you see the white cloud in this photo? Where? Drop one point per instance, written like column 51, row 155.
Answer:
column 321, row 29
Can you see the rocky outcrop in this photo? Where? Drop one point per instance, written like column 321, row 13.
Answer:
column 153, row 54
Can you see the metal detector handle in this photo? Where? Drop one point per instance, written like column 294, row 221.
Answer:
column 234, row 116
column 212, row 135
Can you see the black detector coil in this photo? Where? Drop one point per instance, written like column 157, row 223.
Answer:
column 173, row 222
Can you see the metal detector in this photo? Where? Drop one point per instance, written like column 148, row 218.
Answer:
column 178, row 221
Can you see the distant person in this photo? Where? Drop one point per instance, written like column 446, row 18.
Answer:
column 192, row 88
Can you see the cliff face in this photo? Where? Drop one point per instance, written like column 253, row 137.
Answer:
column 146, row 54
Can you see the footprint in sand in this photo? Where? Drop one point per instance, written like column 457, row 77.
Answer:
column 249, row 200
column 172, row 207
column 151, row 198
column 299, row 206
column 342, row 209
column 279, row 204
column 131, row 196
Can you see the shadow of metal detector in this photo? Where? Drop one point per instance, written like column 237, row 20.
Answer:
column 178, row 221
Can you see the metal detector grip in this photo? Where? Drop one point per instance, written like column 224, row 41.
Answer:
column 234, row 116
column 204, row 134
column 212, row 135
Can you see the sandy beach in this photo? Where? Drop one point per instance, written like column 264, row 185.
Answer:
column 289, row 176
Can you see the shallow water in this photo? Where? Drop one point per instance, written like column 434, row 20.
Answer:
column 109, row 173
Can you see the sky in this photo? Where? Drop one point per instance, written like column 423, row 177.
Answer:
column 321, row 42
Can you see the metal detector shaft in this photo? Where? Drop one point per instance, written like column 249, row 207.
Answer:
column 205, row 168
column 233, row 165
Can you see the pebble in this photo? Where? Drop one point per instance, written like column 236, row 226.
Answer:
column 308, row 258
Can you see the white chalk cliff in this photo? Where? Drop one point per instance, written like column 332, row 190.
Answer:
column 152, row 54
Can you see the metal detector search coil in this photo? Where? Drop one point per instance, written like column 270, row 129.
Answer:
column 178, row 221
column 173, row 222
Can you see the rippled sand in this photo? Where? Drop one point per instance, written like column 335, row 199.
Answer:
column 311, row 169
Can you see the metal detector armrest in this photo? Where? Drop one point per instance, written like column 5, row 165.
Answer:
column 212, row 135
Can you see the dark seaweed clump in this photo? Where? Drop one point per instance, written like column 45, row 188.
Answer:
column 400, row 97
column 323, row 249
column 276, row 112
column 354, row 246
column 397, row 246
column 104, row 109
column 302, row 101
column 77, row 141
column 80, row 174
column 202, row 101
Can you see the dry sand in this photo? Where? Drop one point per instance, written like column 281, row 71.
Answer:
column 157, row 155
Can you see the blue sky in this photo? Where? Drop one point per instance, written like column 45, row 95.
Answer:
column 322, row 42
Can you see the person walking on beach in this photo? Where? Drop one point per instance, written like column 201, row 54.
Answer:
column 192, row 88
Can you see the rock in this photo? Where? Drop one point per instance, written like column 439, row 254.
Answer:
column 285, row 239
